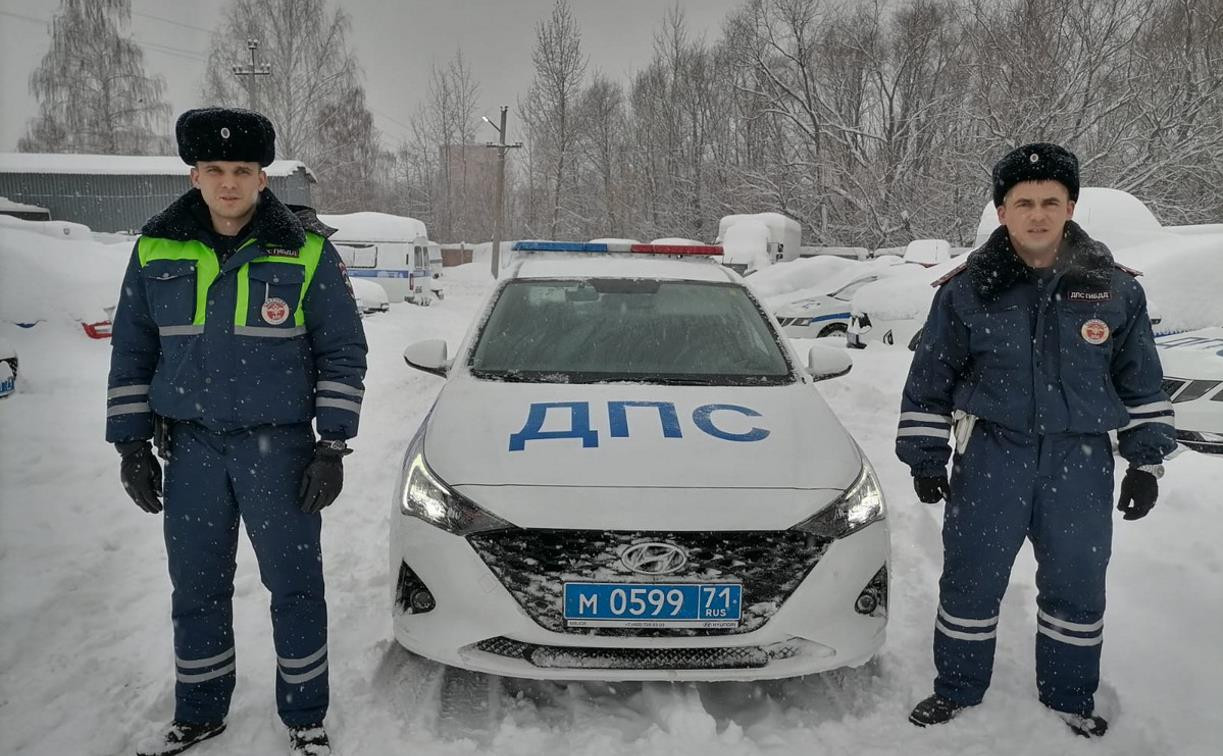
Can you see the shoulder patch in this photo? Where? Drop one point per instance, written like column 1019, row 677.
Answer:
column 1125, row 269
column 347, row 280
column 952, row 274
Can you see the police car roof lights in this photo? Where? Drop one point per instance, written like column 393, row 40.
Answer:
column 704, row 250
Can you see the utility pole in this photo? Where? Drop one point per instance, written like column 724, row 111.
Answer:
column 251, row 71
column 501, row 148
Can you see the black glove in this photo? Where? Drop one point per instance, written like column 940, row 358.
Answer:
column 323, row 479
column 932, row 489
column 141, row 475
column 1139, row 489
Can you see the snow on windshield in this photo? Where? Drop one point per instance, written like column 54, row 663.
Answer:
column 628, row 329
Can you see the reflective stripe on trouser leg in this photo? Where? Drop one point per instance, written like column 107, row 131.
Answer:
column 266, row 465
column 201, row 532
column 1072, row 540
column 986, row 520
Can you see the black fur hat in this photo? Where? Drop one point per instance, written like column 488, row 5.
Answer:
column 225, row 134
column 1036, row 162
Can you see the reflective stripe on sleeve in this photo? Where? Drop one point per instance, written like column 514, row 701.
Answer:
column 339, row 388
column 1163, row 420
column 925, row 417
column 135, row 408
column 344, row 404
column 943, row 433
column 140, row 389
column 1145, row 409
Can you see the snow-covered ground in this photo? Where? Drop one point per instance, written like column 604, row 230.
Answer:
column 86, row 657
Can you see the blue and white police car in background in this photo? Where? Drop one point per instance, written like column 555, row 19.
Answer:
column 629, row 475
column 1193, row 380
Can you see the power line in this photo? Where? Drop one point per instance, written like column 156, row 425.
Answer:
column 170, row 21
column 40, row 21
column 399, row 123
column 167, row 49
column 190, row 55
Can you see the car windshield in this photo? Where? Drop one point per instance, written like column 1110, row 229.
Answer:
column 641, row 330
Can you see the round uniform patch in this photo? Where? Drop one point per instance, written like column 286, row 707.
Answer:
column 275, row 311
column 1095, row 331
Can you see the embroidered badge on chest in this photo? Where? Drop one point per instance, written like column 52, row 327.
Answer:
column 1095, row 331
column 275, row 311
column 1090, row 296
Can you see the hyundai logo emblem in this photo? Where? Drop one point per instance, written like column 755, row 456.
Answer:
column 654, row 558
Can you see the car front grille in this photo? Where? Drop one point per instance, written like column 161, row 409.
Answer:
column 533, row 565
column 565, row 657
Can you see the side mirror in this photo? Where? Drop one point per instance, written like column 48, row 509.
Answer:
column 826, row 362
column 428, row 355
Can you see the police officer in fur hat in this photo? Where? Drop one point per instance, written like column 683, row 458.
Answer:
column 1034, row 350
column 236, row 328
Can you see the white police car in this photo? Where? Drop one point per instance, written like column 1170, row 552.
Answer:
column 628, row 475
column 822, row 310
column 1193, row 380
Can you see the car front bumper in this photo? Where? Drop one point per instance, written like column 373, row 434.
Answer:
column 478, row 624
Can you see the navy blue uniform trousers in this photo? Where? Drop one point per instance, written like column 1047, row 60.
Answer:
column 1055, row 490
column 212, row 481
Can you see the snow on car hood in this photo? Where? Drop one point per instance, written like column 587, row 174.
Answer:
column 480, row 433
column 1195, row 355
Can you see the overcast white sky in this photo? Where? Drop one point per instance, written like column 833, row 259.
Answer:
column 396, row 41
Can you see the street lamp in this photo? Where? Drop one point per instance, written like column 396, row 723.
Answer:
column 501, row 148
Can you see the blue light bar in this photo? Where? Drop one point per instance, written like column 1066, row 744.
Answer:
column 674, row 250
column 558, row 246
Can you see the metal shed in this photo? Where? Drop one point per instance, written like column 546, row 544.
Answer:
column 119, row 192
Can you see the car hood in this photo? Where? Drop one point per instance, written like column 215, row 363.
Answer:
column 1193, row 355
column 480, row 433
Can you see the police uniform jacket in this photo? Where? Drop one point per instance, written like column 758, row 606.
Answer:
column 1069, row 351
column 267, row 334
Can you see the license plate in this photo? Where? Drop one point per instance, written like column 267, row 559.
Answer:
column 702, row 605
column 6, row 386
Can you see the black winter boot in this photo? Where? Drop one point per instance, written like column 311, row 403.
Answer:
column 1085, row 725
column 178, row 737
column 309, row 740
column 934, row 710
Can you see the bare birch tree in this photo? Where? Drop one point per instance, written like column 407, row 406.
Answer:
column 93, row 93
column 550, row 110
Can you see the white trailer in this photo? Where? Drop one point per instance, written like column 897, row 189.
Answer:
column 392, row 250
column 755, row 240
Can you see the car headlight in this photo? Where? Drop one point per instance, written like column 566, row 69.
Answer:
column 425, row 496
column 859, row 506
column 1195, row 390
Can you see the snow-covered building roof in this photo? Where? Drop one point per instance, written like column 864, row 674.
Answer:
column 120, row 165
column 118, row 193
